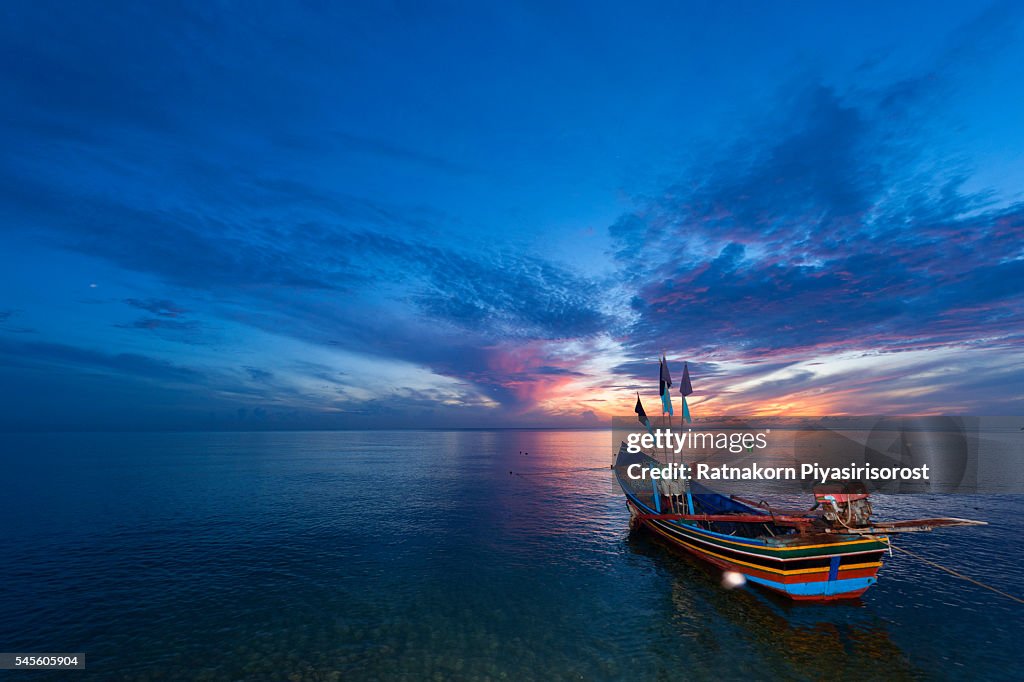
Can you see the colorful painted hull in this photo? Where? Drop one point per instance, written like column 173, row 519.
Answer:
column 810, row 566
column 819, row 572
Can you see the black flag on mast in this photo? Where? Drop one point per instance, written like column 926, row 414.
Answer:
column 642, row 416
column 685, row 389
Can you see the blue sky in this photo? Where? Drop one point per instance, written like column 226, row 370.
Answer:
column 397, row 214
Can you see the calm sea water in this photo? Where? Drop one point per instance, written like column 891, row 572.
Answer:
column 417, row 556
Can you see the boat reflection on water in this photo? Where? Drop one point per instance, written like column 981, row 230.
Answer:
column 802, row 640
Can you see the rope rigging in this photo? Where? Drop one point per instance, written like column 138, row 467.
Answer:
column 957, row 574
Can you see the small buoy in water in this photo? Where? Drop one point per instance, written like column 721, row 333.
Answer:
column 732, row 580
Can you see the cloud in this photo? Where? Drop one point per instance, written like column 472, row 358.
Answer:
column 495, row 294
column 509, row 295
column 254, row 210
column 819, row 237
column 167, row 322
column 392, row 151
column 25, row 353
column 161, row 307
column 160, row 323
column 6, row 325
column 257, row 374
column 237, row 178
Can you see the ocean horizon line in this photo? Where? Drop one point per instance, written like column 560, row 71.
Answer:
column 314, row 430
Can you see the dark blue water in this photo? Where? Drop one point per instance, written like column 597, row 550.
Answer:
column 416, row 556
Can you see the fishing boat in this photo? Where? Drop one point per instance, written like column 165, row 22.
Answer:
column 828, row 552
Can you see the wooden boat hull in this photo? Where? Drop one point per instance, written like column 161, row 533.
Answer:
column 810, row 565
column 842, row 567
